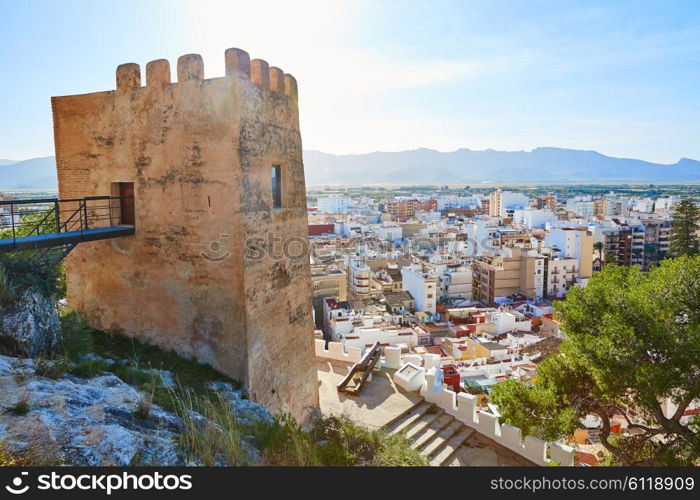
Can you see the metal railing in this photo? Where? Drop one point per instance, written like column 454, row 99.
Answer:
column 36, row 217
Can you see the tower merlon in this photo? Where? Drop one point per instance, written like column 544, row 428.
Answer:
column 237, row 62
column 290, row 87
column 128, row 77
column 260, row 73
column 276, row 80
column 190, row 67
column 158, row 73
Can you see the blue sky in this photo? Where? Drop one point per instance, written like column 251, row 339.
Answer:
column 619, row 77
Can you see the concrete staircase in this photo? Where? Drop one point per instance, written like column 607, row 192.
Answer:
column 434, row 433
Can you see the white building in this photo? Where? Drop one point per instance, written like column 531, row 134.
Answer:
column 334, row 204
column 562, row 274
column 504, row 203
column 360, row 277
column 509, row 321
column 389, row 232
column 422, row 286
column 581, row 208
column 533, row 218
column 570, row 241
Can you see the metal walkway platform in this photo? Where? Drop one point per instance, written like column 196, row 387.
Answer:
column 50, row 228
column 67, row 238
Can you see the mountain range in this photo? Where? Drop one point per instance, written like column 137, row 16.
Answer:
column 428, row 166
column 35, row 173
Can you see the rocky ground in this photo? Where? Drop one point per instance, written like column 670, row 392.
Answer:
column 95, row 421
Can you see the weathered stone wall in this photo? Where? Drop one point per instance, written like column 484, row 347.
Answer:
column 199, row 153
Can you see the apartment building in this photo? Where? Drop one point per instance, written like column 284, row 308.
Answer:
column 456, row 282
column 334, row 204
column 625, row 243
column 657, row 240
column 573, row 243
column 546, row 202
column 327, row 281
column 513, row 270
column 402, row 210
column 560, row 274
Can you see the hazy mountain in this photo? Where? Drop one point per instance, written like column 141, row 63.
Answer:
column 429, row 166
column 29, row 174
column 467, row 166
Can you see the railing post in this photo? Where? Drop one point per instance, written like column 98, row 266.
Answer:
column 12, row 218
column 58, row 217
column 85, row 217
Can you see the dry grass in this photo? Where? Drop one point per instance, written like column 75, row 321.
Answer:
column 216, row 439
column 34, row 455
column 143, row 408
column 21, row 407
column 53, row 369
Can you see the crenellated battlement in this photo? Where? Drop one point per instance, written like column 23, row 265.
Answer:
column 191, row 67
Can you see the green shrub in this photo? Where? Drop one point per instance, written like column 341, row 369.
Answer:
column 396, row 451
column 284, row 443
column 23, row 272
column 9, row 293
column 90, row 368
column 77, row 336
column 331, row 441
column 134, row 376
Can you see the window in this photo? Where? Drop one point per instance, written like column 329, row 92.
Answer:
column 276, row 187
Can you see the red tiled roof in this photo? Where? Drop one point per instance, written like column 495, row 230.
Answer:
column 319, row 229
column 433, row 349
column 582, row 457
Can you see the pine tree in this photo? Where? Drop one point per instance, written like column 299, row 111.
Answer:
column 684, row 238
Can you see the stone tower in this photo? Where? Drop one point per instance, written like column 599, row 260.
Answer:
column 215, row 167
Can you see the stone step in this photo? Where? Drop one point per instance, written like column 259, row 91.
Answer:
column 441, row 439
column 431, row 431
column 446, row 452
column 408, row 417
column 423, row 423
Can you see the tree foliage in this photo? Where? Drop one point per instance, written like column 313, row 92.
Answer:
column 20, row 272
column 599, row 246
column 684, row 239
column 633, row 340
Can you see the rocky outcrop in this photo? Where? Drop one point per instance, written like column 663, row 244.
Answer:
column 245, row 410
column 94, row 421
column 31, row 327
